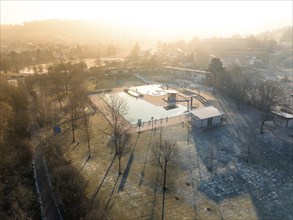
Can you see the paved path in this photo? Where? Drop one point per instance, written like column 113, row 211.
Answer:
column 49, row 209
column 43, row 184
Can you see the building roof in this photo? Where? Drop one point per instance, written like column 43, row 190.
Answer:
column 207, row 112
column 283, row 114
column 185, row 69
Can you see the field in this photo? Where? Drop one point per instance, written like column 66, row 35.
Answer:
column 227, row 172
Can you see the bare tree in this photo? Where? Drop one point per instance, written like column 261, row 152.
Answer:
column 256, row 78
column 67, row 74
column 98, row 71
column 270, row 93
column 120, row 129
column 87, row 130
column 76, row 103
column 56, row 88
column 241, row 84
column 212, row 159
column 248, row 151
column 164, row 154
column 119, row 142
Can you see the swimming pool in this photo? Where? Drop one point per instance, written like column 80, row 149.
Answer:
column 141, row 109
column 154, row 90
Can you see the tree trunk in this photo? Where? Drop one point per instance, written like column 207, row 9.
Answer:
column 247, row 159
column 165, row 176
column 253, row 94
column 119, row 160
column 73, row 133
column 163, row 206
column 89, row 147
column 238, row 104
column 60, row 103
column 263, row 119
column 211, row 166
column 261, row 127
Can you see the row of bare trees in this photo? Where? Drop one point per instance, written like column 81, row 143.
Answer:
column 63, row 85
column 17, row 192
column 164, row 152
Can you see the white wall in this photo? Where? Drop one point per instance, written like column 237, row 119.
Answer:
column 196, row 122
column 280, row 121
column 290, row 123
column 217, row 120
column 204, row 123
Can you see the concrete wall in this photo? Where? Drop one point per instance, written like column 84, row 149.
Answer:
column 290, row 123
column 196, row 122
column 217, row 120
column 283, row 122
column 204, row 123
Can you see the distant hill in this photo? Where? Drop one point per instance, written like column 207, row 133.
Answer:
column 56, row 30
column 67, row 32
column 71, row 31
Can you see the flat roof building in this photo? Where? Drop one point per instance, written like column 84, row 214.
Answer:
column 206, row 117
column 283, row 119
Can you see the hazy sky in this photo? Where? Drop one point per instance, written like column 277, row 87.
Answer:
column 203, row 18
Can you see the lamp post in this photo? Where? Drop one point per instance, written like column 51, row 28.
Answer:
column 139, row 124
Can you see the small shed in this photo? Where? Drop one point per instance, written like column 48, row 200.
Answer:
column 206, row 117
column 283, row 119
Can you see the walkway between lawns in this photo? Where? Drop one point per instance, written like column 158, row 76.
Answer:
column 46, row 197
column 48, row 207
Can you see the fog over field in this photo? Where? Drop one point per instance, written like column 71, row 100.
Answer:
column 166, row 20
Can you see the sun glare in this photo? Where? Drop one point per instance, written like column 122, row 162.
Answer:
column 184, row 17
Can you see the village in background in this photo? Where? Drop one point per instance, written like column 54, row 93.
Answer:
column 97, row 125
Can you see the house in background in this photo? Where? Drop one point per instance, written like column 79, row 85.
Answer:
column 206, row 117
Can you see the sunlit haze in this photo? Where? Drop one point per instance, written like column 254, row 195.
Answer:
column 177, row 18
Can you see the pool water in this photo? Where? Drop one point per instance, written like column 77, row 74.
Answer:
column 154, row 90
column 141, row 109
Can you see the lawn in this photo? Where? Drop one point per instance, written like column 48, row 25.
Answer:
column 137, row 194
column 234, row 189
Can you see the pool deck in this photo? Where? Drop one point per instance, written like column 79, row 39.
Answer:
column 155, row 100
column 102, row 106
column 158, row 99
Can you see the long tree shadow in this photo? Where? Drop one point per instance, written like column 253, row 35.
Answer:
column 67, row 148
column 96, row 193
column 163, row 204
column 155, row 195
column 88, row 158
column 146, row 157
column 128, row 166
column 75, row 146
column 110, row 197
column 265, row 178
